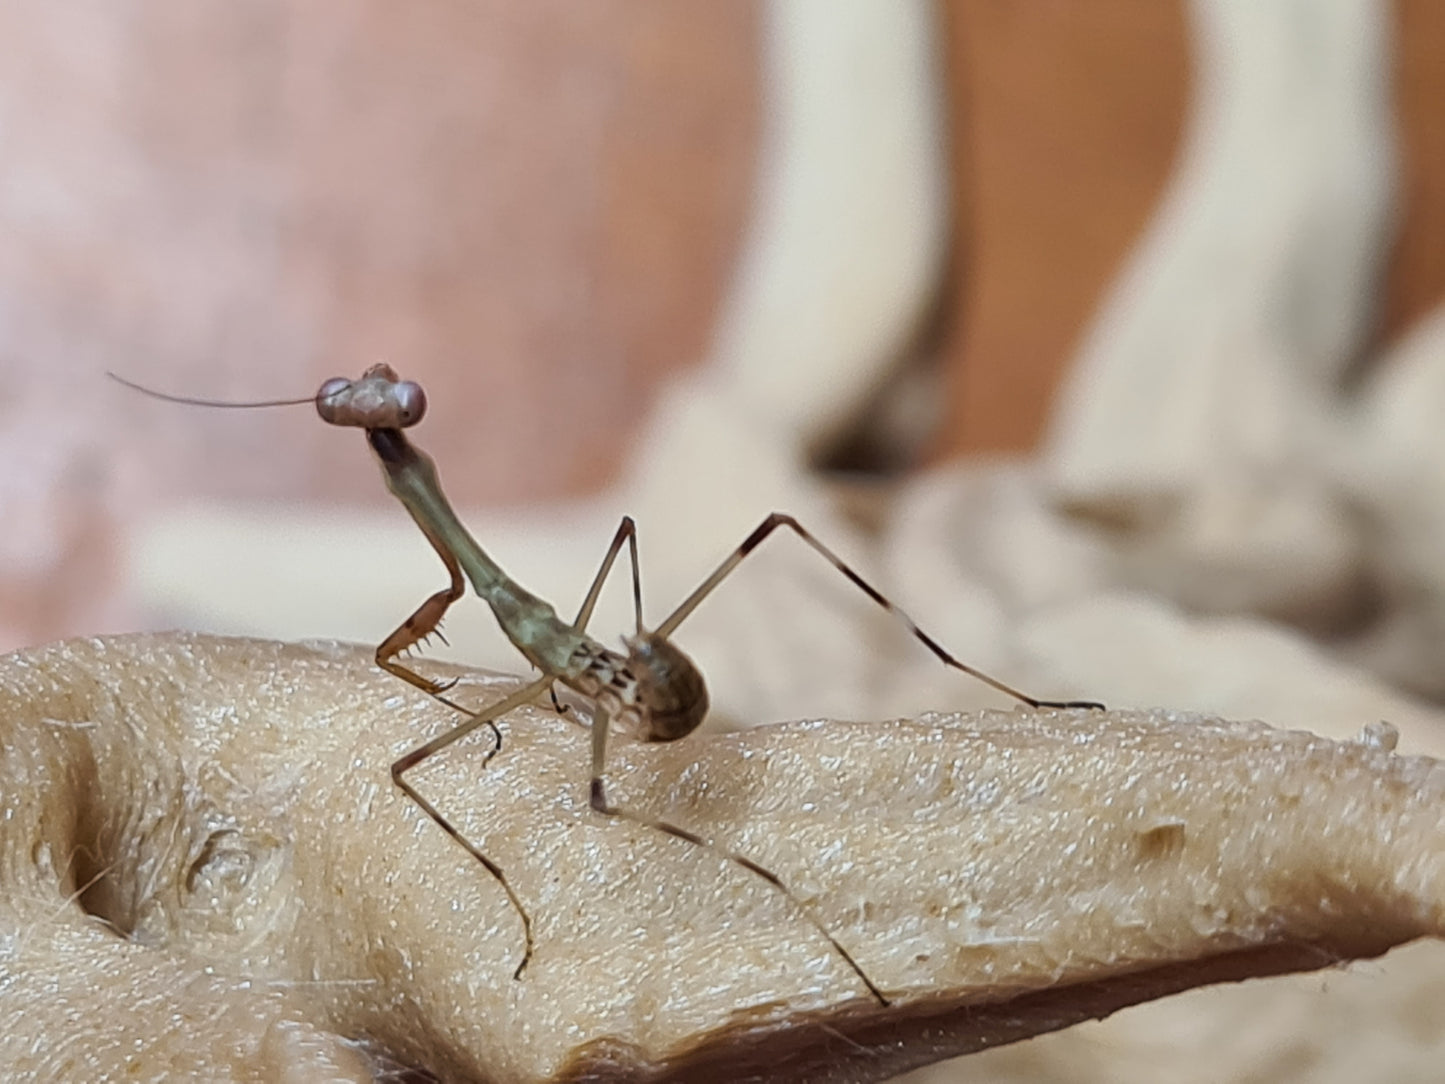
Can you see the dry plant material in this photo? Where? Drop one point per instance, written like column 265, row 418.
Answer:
column 203, row 831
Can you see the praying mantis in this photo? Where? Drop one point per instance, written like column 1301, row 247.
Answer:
column 653, row 685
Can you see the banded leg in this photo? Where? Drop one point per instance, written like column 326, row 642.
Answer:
column 778, row 519
column 627, row 532
column 484, row 717
column 598, row 800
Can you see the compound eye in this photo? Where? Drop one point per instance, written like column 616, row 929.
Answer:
column 330, row 398
column 410, row 402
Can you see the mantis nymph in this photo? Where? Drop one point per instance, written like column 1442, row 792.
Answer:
column 652, row 684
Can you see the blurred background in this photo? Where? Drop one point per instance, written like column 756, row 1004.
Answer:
column 1106, row 337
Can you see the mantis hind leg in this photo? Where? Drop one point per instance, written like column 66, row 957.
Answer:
column 626, row 533
column 597, row 795
column 599, row 802
column 779, row 519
